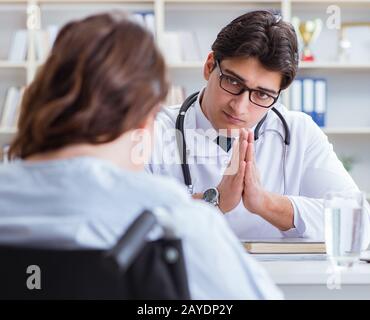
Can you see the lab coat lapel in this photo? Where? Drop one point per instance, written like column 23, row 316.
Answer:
column 200, row 143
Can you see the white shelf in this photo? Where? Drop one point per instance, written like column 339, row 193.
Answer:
column 12, row 65
column 329, row 1
column 334, row 65
column 223, row 1
column 315, row 2
column 346, row 131
column 8, row 131
column 13, row 1
column 93, row 1
column 186, row 65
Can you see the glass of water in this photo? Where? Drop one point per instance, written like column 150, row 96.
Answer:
column 344, row 227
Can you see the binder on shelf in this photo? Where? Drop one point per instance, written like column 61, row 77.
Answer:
column 44, row 40
column 309, row 95
column 4, row 153
column 139, row 18
column 41, row 45
column 52, row 31
column 320, row 102
column 308, row 86
column 296, row 95
column 146, row 19
column 18, row 108
column 18, row 48
column 172, row 50
column 150, row 22
column 190, row 49
column 11, row 108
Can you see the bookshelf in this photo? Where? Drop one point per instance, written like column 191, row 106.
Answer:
column 348, row 125
column 347, row 131
column 340, row 66
column 348, row 112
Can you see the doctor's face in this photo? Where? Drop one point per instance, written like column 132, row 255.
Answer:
column 226, row 103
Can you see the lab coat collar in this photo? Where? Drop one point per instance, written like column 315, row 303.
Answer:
column 201, row 120
column 200, row 139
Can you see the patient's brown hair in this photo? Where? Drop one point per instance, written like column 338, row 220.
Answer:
column 103, row 77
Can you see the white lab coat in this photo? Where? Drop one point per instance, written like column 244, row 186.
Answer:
column 311, row 168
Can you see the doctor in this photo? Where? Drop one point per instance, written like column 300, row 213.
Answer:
column 265, row 167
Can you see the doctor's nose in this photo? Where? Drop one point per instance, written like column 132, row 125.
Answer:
column 240, row 103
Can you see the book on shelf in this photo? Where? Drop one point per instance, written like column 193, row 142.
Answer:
column 309, row 95
column 190, row 46
column 150, row 21
column 44, row 40
column 146, row 19
column 181, row 46
column 11, row 108
column 4, row 153
column 18, row 47
column 284, row 245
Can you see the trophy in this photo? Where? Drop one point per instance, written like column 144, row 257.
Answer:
column 308, row 32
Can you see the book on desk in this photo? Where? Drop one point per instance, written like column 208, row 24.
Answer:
column 284, row 245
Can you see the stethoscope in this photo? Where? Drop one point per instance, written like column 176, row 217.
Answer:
column 181, row 143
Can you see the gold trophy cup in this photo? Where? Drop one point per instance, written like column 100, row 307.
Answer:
column 308, row 32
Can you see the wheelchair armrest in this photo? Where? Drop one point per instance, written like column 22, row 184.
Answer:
column 132, row 242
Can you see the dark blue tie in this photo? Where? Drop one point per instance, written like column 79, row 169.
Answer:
column 224, row 142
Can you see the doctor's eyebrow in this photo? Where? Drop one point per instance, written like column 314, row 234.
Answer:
column 243, row 80
column 268, row 90
column 235, row 75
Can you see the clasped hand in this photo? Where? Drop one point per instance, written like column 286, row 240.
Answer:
column 241, row 180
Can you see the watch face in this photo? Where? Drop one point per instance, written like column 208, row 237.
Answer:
column 210, row 195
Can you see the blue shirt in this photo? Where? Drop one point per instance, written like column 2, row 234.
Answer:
column 88, row 202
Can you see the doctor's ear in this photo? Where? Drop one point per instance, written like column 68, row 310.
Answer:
column 209, row 66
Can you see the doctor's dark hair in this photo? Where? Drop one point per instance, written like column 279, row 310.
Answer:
column 262, row 35
column 103, row 77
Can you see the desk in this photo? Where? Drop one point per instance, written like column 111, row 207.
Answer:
column 314, row 279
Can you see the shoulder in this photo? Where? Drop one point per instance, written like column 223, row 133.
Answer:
column 299, row 123
column 293, row 117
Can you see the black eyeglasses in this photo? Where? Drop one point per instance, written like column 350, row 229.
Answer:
column 234, row 86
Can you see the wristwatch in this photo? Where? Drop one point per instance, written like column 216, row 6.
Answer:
column 212, row 196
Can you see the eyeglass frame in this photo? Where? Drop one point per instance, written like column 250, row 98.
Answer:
column 245, row 88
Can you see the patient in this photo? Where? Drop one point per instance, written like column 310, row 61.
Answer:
column 77, row 178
